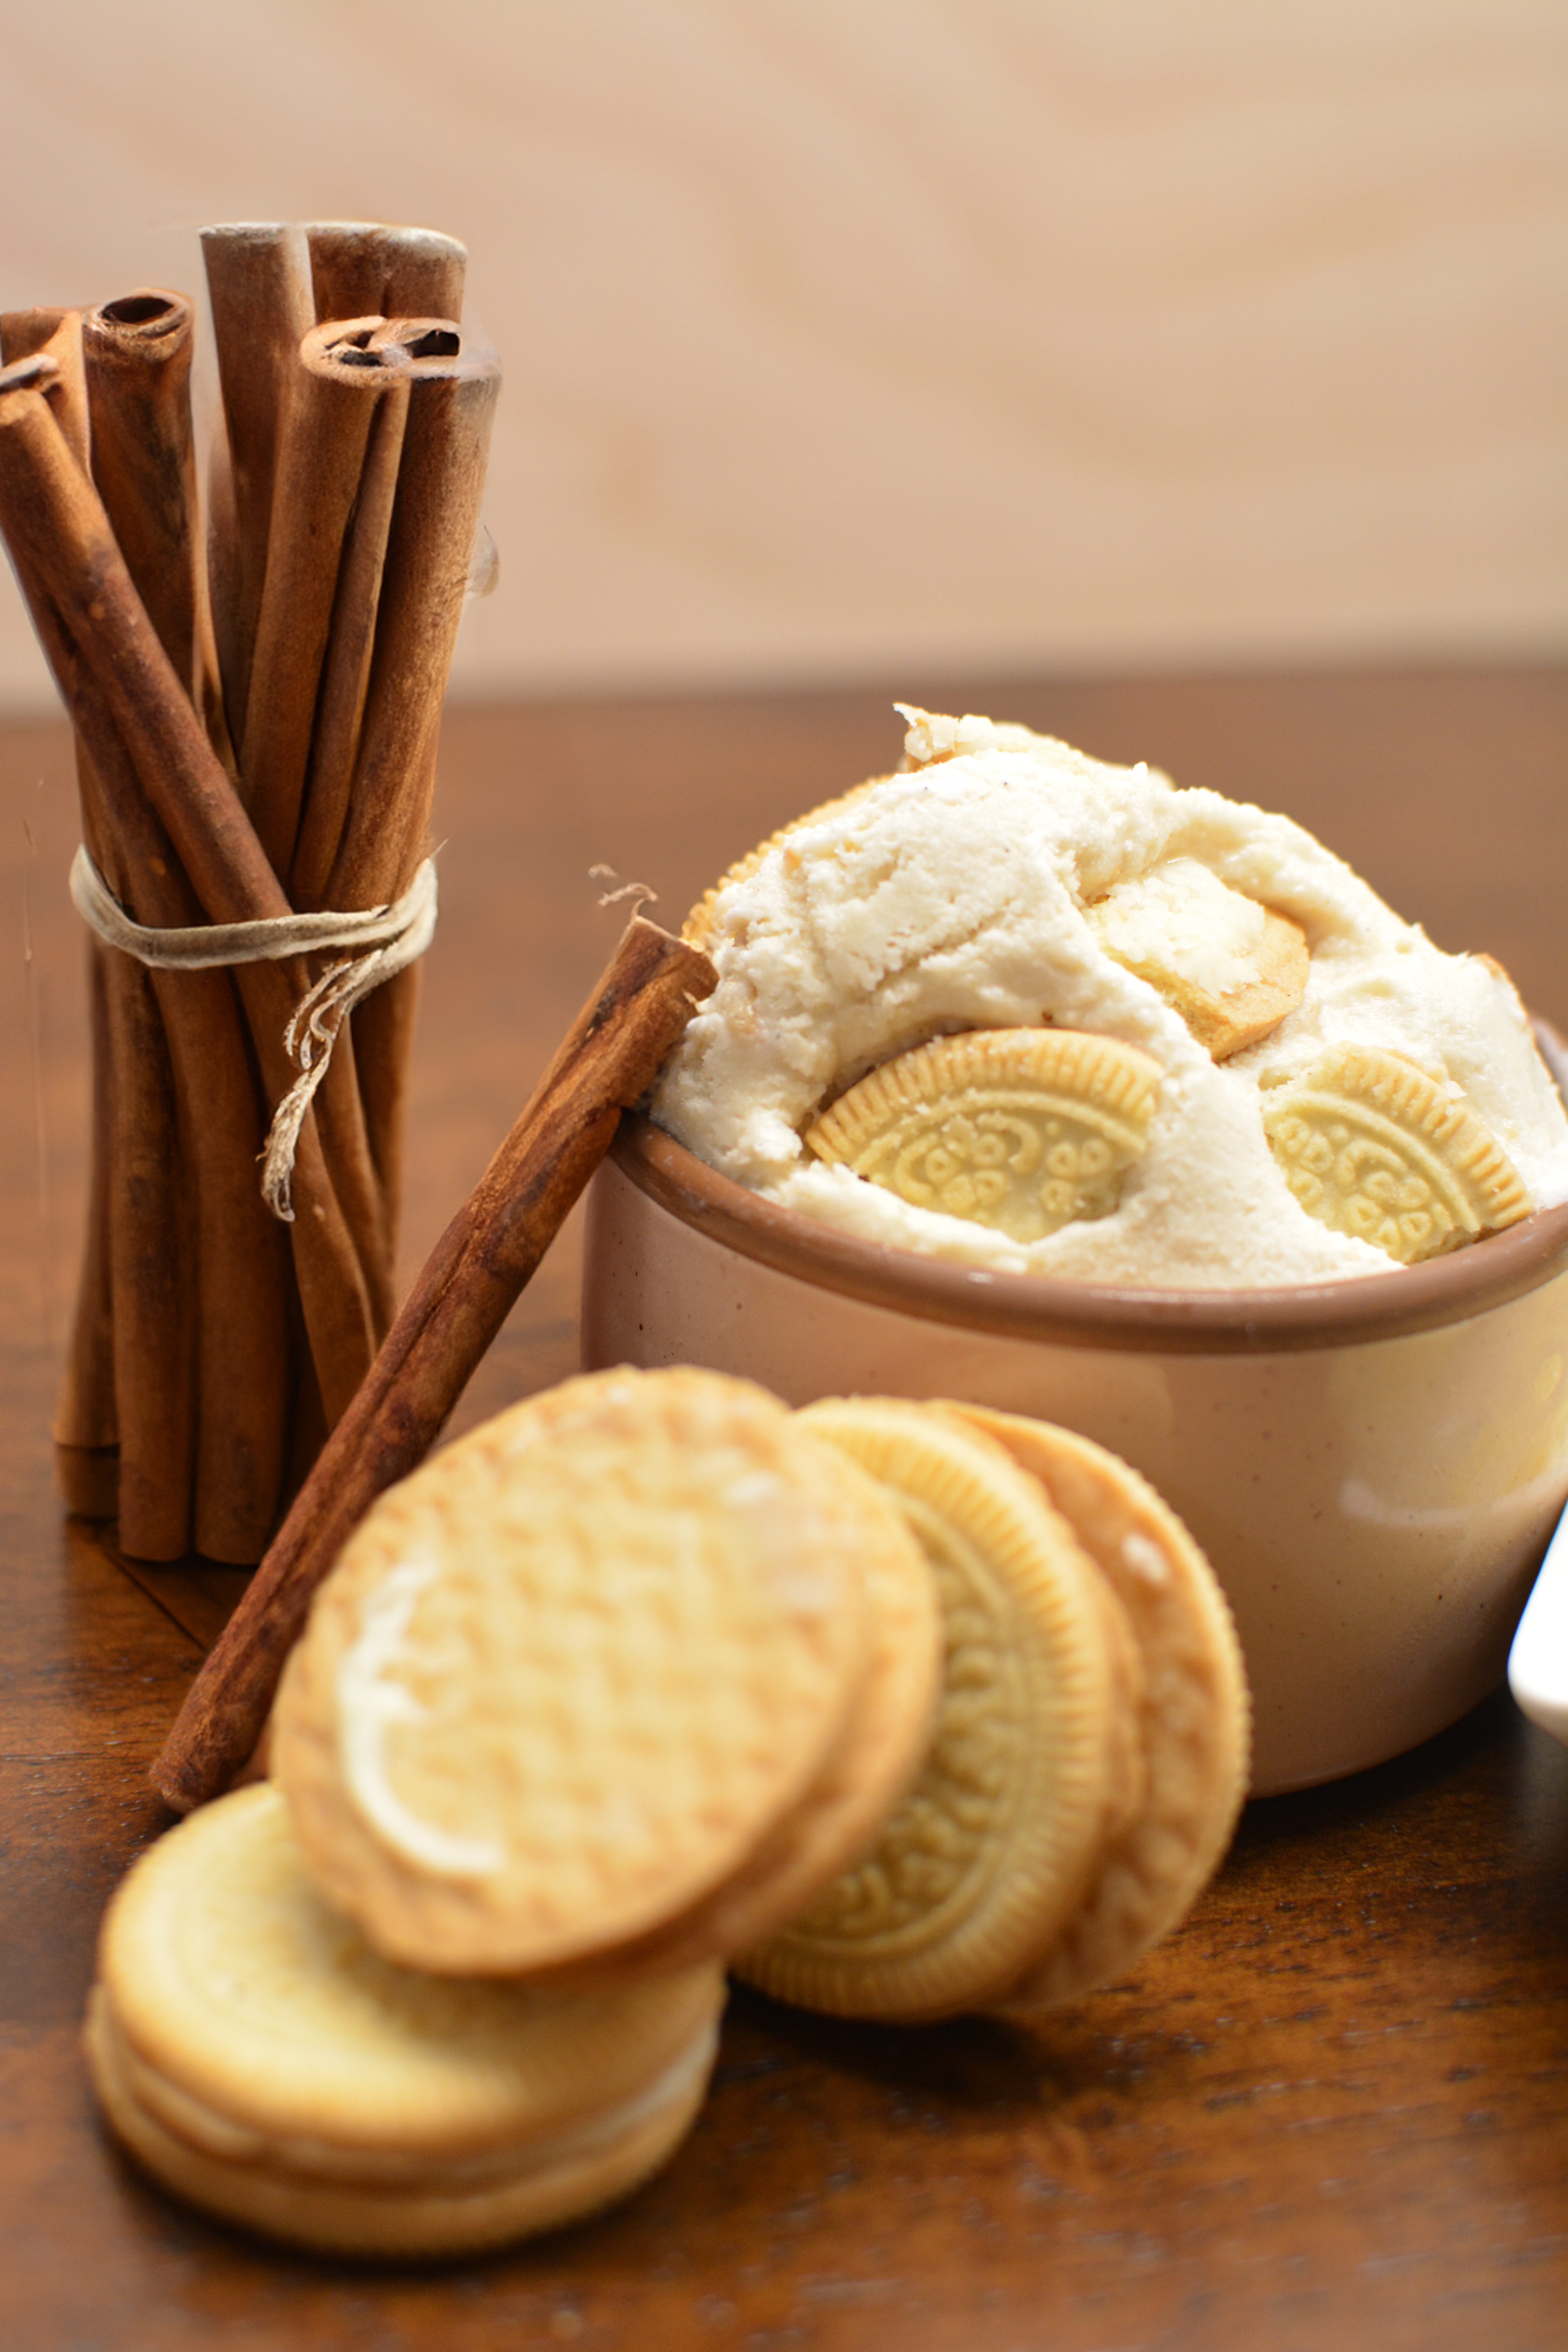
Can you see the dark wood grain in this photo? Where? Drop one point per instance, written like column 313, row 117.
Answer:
column 1332, row 2111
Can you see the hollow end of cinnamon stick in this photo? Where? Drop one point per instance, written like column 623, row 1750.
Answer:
column 149, row 313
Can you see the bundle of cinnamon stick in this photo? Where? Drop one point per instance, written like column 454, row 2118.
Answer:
column 254, row 683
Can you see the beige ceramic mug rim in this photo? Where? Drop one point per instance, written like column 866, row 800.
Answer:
column 1450, row 1289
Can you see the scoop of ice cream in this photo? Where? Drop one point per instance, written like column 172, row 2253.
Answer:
column 1004, row 881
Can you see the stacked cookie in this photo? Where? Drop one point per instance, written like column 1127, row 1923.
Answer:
column 268, row 2064
column 901, row 1709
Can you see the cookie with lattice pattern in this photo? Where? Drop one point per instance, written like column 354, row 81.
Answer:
column 567, row 1678
column 879, row 1750
column 1233, row 968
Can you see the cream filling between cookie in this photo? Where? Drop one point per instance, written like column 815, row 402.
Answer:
column 308, row 2156
column 370, row 1704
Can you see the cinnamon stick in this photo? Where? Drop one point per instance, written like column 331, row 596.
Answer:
column 137, row 351
column 608, row 1060
column 345, row 669
column 454, row 382
column 55, row 334
column 258, row 282
column 129, row 1373
column 357, row 267
column 335, row 388
column 154, row 1317
column 86, row 1428
column 200, row 1090
column 86, row 1425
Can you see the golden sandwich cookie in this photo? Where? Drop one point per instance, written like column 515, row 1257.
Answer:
column 1023, row 1131
column 1370, row 1145
column 267, row 2065
column 1033, row 1764
column 568, row 1680
column 1193, row 1712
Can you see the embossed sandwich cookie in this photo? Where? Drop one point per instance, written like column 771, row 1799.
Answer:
column 579, row 1693
column 1022, row 1130
column 1034, row 1763
column 1091, row 1750
column 1193, row 1713
column 1370, row 1145
column 262, row 2062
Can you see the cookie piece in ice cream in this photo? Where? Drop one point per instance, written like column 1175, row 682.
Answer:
column 1021, row 1130
column 1232, row 968
column 1370, row 1145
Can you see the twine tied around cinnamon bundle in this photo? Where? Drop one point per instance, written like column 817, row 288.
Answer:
column 391, row 938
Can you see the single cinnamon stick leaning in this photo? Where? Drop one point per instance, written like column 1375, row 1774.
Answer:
column 608, row 1062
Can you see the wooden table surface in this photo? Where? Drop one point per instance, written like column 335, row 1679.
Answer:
column 1332, row 2112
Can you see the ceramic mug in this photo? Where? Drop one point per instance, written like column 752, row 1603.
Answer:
column 1373, row 1466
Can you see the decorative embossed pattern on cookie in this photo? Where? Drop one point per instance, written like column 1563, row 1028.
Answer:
column 1020, row 1129
column 978, row 1869
column 1372, row 1145
column 1192, row 1710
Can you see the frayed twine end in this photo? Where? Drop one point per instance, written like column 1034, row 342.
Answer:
column 639, row 891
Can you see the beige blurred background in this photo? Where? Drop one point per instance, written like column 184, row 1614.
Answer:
column 1019, row 335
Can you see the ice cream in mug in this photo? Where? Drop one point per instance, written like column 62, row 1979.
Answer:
column 1019, row 1008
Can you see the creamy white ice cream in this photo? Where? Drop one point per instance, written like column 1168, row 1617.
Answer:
column 954, row 897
